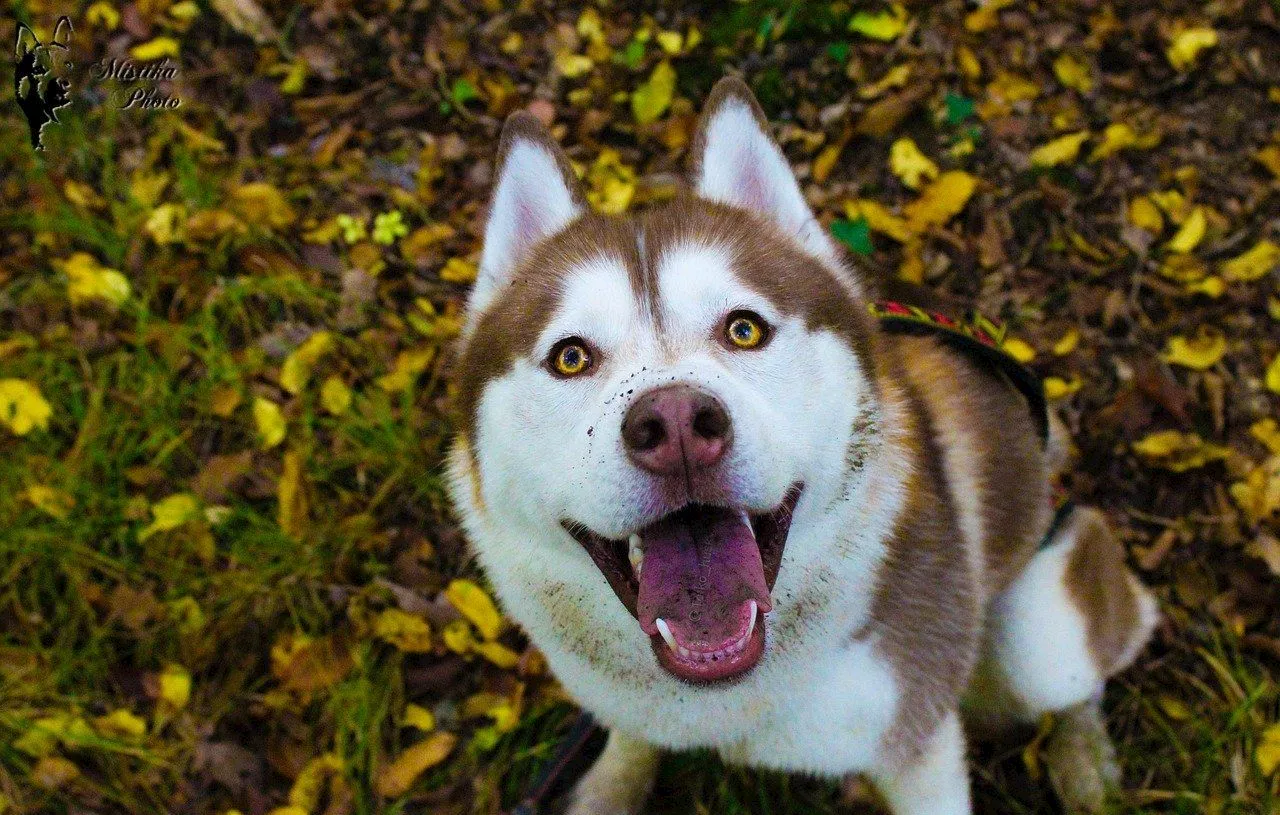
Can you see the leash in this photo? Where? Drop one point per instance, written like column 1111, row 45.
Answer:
column 554, row 778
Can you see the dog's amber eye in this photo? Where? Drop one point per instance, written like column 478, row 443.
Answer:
column 570, row 357
column 745, row 329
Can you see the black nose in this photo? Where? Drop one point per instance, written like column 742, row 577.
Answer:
column 676, row 428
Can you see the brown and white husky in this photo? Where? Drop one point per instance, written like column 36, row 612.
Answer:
column 736, row 514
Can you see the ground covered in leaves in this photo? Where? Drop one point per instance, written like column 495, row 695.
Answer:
column 229, row 580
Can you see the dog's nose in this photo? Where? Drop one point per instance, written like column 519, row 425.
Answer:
column 676, row 428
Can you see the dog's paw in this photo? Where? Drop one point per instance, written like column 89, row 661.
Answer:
column 1081, row 761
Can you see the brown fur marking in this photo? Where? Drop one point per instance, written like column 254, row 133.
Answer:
column 1100, row 585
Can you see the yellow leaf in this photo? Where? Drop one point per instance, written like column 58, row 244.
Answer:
column 1059, row 151
column 335, row 395
column 884, row 25
column 1273, row 375
column 270, row 422
column 474, row 604
column 262, row 204
column 1267, row 431
column 912, row 267
column 1268, row 750
column 121, row 723
column 1174, row 708
column 53, row 502
column 1115, row 137
column 310, row 783
column 651, row 99
column 1187, row 45
column 895, row 77
column 1073, row 73
column 1182, row 268
column 1190, row 234
column 1199, row 353
column 171, row 513
column 611, row 184
column 164, row 224
column 297, row 366
column 825, row 162
column 87, row 280
column 985, row 16
column 573, row 65
column 286, row 810
column 940, row 202
column 1259, row 493
column 1056, row 388
column 1018, row 349
column 22, row 407
column 968, row 62
column 407, row 366
column 156, row 49
column 291, row 512
column 909, row 164
column 102, row 14
column 1213, row 287
column 175, row 686
column 1254, row 264
column 296, row 78
column 503, row 710
column 1269, row 157
column 670, row 41
column 1067, row 344
column 879, row 219
column 418, row 717
column 1178, row 451
column 458, row 638
column 457, row 270
column 405, row 631
column 1144, row 213
column 397, row 778
column 497, row 653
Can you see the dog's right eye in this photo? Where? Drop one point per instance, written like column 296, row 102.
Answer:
column 569, row 357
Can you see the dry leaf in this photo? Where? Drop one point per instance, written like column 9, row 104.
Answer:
column 474, row 604
column 397, row 778
column 1059, row 151
column 1199, row 353
column 909, row 164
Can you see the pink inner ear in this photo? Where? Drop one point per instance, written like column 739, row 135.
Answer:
column 527, row 225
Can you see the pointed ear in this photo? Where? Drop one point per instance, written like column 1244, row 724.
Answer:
column 26, row 42
column 57, row 31
column 737, row 162
column 535, row 197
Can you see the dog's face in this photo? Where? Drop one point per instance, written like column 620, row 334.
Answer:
column 659, row 412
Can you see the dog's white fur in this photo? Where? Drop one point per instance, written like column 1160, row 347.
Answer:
column 544, row 449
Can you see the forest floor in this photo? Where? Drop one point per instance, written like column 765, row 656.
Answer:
column 229, row 577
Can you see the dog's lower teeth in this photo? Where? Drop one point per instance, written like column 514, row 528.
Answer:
column 635, row 553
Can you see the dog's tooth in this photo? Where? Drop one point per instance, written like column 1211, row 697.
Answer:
column 684, row 652
column 746, row 520
column 751, row 626
column 665, row 631
column 635, row 553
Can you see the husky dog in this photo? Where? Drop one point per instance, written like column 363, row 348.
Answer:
column 39, row 81
column 735, row 514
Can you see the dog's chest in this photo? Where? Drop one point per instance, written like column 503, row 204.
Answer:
column 829, row 718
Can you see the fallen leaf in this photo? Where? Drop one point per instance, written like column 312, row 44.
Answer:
column 270, row 422
column 51, row 501
column 1177, row 451
column 1190, row 234
column 651, row 99
column 248, row 18
column 882, row 25
column 1059, row 151
column 1018, row 349
column 291, row 513
column 296, row 369
column 1067, row 344
column 175, row 686
column 497, row 653
column 1267, row 753
column 1200, row 353
column 611, row 184
column 418, row 717
column 1272, row 378
column 1115, row 137
column 121, row 724
column 1255, row 264
column 1073, row 73
column 54, row 772
column 155, row 50
column 572, row 65
column 1267, row 431
column 457, row 270
column 879, row 219
column 309, row 786
column 1259, row 493
column 941, row 201
column 170, row 513
column 261, row 204
column 88, row 281
column 1185, row 49
column 335, row 396
column 397, row 778
column 407, row 366
column 405, row 631
column 475, row 604
column 909, row 164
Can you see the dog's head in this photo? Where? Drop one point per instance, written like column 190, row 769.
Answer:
column 659, row 411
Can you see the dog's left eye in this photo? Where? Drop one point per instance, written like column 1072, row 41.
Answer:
column 745, row 329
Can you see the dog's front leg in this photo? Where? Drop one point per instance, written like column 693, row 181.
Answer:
column 936, row 783
column 619, row 781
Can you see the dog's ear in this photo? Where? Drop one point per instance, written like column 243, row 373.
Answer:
column 64, row 20
column 737, row 162
column 536, row 196
column 27, row 41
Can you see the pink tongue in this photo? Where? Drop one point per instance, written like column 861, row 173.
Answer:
column 701, row 567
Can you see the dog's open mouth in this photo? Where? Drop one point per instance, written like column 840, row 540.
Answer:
column 699, row 582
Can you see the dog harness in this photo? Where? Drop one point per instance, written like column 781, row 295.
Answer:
column 976, row 336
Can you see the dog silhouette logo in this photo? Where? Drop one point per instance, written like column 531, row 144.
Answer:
column 39, row 82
